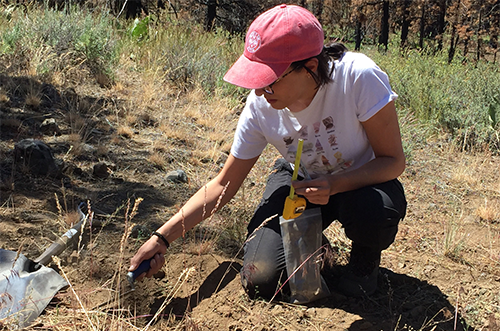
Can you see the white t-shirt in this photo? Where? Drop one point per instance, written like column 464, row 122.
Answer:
column 334, row 139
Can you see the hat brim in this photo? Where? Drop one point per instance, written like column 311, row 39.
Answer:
column 252, row 74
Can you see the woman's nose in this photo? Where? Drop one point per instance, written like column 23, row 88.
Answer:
column 259, row 91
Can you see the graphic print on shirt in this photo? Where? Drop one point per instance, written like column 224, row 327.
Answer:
column 308, row 147
column 303, row 132
column 328, row 123
column 288, row 141
column 320, row 152
column 342, row 164
column 291, row 152
column 316, row 127
column 332, row 140
column 319, row 148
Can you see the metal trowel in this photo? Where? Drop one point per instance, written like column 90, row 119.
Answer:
column 26, row 286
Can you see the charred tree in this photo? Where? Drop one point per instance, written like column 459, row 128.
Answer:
column 358, row 38
column 454, row 35
column 318, row 10
column 384, row 26
column 422, row 25
column 405, row 24
column 135, row 8
column 441, row 22
column 360, row 19
column 211, row 14
column 478, row 32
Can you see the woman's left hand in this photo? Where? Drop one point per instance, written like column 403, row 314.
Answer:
column 316, row 190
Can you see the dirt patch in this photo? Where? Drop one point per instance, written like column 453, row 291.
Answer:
column 442, row 273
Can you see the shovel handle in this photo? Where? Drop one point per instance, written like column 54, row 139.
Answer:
column 298, row 155
column 143, row 267
column 60, row 244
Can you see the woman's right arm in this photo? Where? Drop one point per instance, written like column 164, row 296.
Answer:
column 198, row 207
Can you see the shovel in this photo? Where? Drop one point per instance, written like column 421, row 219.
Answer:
column 26, row 286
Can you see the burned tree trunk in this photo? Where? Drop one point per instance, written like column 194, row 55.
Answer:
column 211, row 14
column 134, row 9
column 384, row 30
column 357, row 47
column 405, row 26
column 422, row 26
column 441, row 23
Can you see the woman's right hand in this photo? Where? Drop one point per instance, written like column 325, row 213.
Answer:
column 153, row 248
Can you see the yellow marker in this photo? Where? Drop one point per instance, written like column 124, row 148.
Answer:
column 295, row 206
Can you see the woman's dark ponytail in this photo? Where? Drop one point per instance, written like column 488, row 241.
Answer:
column 335, row 50
column 332, row 51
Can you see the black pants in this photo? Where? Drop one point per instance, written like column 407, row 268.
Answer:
column 369, row 215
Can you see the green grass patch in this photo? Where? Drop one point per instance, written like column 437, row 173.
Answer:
column 73, row 33
column 184, row 55
column 460, row 99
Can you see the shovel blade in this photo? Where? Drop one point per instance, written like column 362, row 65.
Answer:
column 26, row 288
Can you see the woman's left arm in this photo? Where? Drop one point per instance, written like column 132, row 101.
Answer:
column 382, row 130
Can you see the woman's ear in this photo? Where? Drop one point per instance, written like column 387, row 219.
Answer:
column 312, row 65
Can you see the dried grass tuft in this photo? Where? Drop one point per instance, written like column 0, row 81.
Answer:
column 125, row 132
column 33, row 100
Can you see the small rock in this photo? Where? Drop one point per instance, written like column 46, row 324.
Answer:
column 74, row 257
column 140, row 232
column 365, row 325
column 36, row 157
column 88, row 148
column 224, row 311
column 50, row 127
column 159, row 275
column 177, row 176
column 101, row 170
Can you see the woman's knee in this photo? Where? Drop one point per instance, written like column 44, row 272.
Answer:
column 261, row 279
column 264, row 263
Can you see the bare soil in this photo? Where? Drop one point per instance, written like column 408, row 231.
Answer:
column 442, row 273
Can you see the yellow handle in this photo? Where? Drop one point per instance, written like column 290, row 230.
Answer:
column 296, row 166
column 294, row 206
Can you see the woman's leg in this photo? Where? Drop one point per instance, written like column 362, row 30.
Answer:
column 264, row 267
column 370, row 217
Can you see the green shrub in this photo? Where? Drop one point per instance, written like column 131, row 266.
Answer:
column 455, row 98
column 73, row 33
column 186, row 55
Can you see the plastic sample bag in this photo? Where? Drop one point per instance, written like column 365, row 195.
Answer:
column 301, row 241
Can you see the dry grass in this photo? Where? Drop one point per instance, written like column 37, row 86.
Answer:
column 33, row 100
column 77, row 144
column 450, row 191
column 76, row 122
column 4, row 98
column 158, row 160
column 125, row 132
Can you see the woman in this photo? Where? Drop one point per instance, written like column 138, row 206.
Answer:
column 342, row 106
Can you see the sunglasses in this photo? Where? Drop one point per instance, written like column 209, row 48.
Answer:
column 269, row 88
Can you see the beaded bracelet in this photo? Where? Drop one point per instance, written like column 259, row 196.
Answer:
column 159, row 235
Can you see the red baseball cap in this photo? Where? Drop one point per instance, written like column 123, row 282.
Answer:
column 275, row 39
